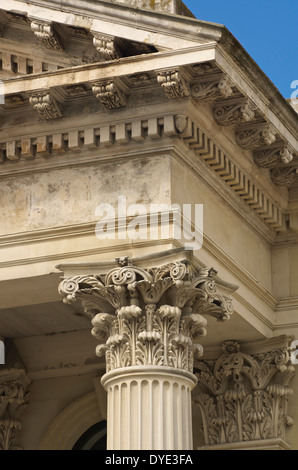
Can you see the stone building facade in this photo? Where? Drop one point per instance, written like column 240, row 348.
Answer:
column 149, row 221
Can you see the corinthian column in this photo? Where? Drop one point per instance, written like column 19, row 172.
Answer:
column 149, row 322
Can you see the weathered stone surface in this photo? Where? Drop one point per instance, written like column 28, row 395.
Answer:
column 169, row 6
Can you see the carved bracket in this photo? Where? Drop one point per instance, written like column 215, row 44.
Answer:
column 109, row 94
column 106, row 46
column 244, row 397
column 273, row 157
column 283, row 176
column 256, row 136
column 45, row 104
column 212, row 89
column 227, row 114
column 45, row 32
column 174, row 83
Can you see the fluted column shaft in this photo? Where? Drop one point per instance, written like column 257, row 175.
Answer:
column 149, row 408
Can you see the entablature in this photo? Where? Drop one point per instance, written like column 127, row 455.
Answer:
column 203, row 75
column 170, row 77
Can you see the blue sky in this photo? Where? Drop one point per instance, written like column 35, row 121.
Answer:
column 267, row 29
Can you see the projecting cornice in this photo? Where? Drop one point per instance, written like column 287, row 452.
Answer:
column 164, row 31
column 208, row 71
column 194, row 74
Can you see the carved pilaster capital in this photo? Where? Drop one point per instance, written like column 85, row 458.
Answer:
column 45, row 32
column 150, row 316
column 45, row 104
column 269, row 158
column 283, row 176
column 13, row 397
column 13, row 400
column 256, row 136
column 110, row 94
column 227, row 114
column 244, row 397
column 174, row 83
column 212, row 89
column 106, row 46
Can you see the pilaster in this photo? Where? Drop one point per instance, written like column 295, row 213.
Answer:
column 243, row 396
column 13, row 398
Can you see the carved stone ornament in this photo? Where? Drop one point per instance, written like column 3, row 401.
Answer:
column 76, row 90
column 174, row 84
column 13, row 400
column 212, row 89
column 44, row 31
column 149, row 317
column 202, row 69
column 46, row 105
column 244, row 397
column 181, row 122
column 109, row 94
column 284, row 176
column 106, row 46
column 229, row 114
column 254, row 137
column 270, row 158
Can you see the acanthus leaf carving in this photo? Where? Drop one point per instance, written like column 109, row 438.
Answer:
column 212, row 89
column 256, row 136
column 148, row 316
column 270, row 158
column 203, row 68
column 45, row 104
column 174, row 83
column 284, row 176
column 233, row 113
column 13, row 400
column 45, row 32
column 109, row 94
column 244, row 397
column 106, row 46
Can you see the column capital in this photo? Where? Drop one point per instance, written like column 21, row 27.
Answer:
column 150, row 316
column 13, row 397
column 243, row 396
